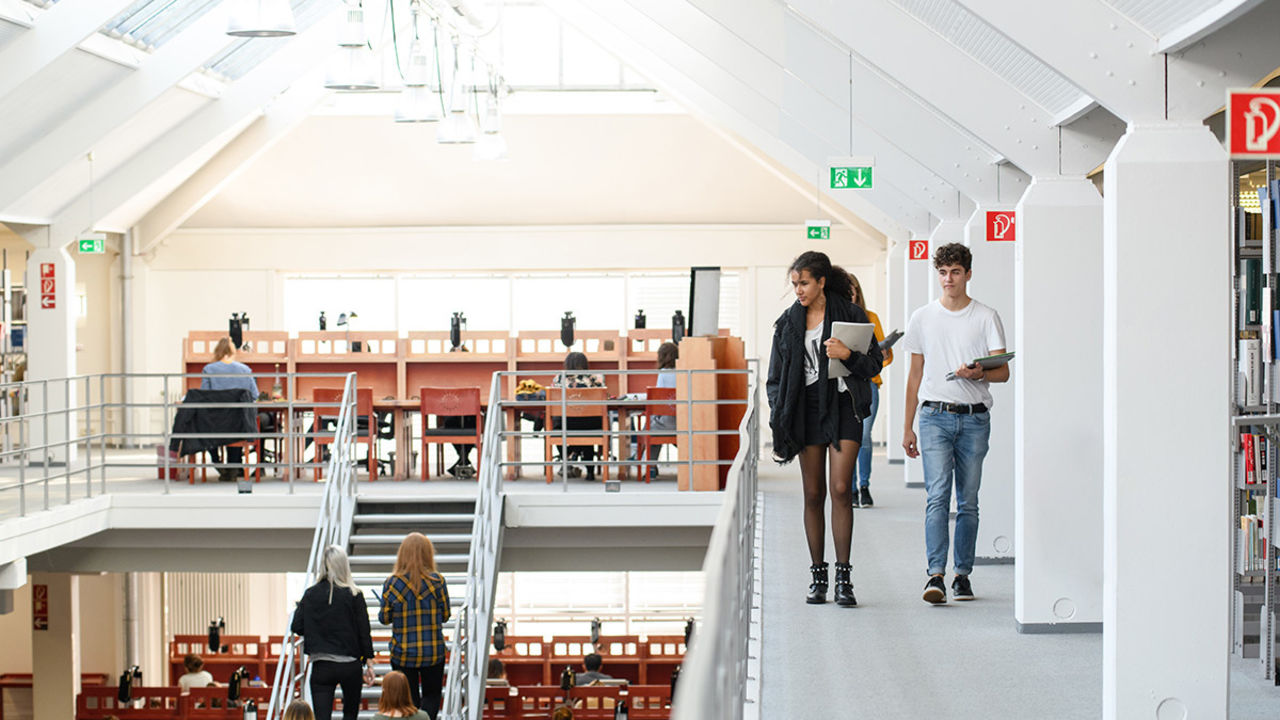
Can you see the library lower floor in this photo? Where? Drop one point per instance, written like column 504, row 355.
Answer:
column 895, row 657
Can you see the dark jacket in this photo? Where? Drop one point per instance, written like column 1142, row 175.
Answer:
column 191, row 418
column 785, row 386
column 337, row 628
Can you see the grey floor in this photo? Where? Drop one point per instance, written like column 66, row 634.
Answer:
column 895, row 656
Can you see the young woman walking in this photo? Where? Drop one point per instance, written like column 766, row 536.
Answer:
column 415, row 603
column 818, row 418
column 333, row 620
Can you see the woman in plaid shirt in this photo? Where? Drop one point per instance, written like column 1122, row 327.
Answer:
column 415, row 603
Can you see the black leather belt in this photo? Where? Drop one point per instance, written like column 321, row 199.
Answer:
column 958, row 408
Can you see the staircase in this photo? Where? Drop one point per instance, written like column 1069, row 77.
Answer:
column 379, row 524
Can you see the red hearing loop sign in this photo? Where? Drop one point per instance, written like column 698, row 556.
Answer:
column 918, row 250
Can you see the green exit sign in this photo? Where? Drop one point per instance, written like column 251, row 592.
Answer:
column 818, row 229
column 95, row 244
column 858, row 176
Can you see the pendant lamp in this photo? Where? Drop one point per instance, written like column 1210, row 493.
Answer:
column 417, row 103
column 260, row 18
column 354, row 66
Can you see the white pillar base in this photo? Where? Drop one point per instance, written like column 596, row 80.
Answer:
column 51, row 352
column 55, row 651
column 1058, row 436
column 1166, row 433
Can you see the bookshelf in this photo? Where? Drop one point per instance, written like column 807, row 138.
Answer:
column 1255, row 195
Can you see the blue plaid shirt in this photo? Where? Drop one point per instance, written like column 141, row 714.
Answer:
column 417, row 622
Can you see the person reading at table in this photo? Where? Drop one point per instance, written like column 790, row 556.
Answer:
column 226, row 373
column 578, row 361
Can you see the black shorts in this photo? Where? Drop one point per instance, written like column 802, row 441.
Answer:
column 848, row 426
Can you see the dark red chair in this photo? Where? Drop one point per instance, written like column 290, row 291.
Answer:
column 449, row 402
column 364, row 409
column 660, row 403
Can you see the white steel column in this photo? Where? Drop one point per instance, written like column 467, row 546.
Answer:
column 1058, row 436
column 51, row 348
column 895, row 376
column 55, row 650
column 917, row 279
column 1166, row 561
column 992, row 284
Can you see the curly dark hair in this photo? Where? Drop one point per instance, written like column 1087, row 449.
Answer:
column 953, row 254
column 819, row 266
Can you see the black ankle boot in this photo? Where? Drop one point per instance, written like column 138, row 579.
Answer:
column 818, row 588
column 844, row 586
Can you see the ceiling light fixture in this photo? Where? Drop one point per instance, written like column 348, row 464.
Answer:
column 417, row 103
column 458, row 127
column 354, row 67
column 491, row 145
column 260, row 18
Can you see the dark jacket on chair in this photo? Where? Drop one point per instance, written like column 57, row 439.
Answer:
column 785, row 386
column 191, row 418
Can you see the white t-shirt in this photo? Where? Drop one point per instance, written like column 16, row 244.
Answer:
column 812, row 343
column 195, row 679
column 949, row 340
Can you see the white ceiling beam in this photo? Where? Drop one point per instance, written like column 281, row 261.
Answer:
column 827, row 116
column 1206, row 23
column 280, row 118
column 243, row 98
column 879, row 103
column 688, row 77
column 1116, row 61
column 56, row 32
column 968, row 92
column 77, row 133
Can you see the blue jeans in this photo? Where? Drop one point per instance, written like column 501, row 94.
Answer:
column 864, row 450
column 952, row 446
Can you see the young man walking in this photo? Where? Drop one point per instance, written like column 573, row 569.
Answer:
column 945, row 337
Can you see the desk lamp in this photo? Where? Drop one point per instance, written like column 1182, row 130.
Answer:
column 456, row 323
column 125, row 692
column 216, row 626
column 500, row 635
column 566, row 329
column 677, row 327
column 234, row 330
column 640, row 320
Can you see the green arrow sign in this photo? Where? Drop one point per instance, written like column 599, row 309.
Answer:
column 856, row 177
column 92, row 246
column 818, row 229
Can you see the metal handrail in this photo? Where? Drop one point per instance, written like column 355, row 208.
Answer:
column 468, row 653
column 714, row 679
column 333, row 527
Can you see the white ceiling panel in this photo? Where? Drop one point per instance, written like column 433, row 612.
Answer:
column 1158, row 17
column 167, row 111
column 9, row 31
column 985, row 44
column 69, row 81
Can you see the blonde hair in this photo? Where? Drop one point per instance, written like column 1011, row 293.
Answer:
column 299, row 710
column 415, row 560
column 335, row 568
column 858, row 298
column 223, row 349
column 562, row 713
column 395, row 694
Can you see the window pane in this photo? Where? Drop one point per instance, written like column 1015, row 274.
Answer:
column 429, row 303
column 372, row 298
column 598, row 303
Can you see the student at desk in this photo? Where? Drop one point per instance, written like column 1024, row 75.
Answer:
column 225, row 373
column 578, row 361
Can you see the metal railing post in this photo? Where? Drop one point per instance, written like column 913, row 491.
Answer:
column 66, row 439
column 564, row 434
column 44, row 440
column 102, row 419
column 689, row 422
column 164, row 438
column 88, row 453
column 22, row 456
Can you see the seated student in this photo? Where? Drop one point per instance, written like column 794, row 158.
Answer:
column 497, row 675
column 395, row 701
column 225, row 373
column 591, row 664
column 668, row 353
column 578, row 361
column 462, row 469
column 562, row 713
column 196, row 675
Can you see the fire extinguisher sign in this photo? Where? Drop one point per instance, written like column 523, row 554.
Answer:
column 1253, row 123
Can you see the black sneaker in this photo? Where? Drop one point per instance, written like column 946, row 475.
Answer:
column 935, row 591
column 866, row 497
column 961, row 589
column 855, row 497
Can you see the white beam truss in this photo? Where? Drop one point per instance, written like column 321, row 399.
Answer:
column 56, row 32
column 77, row 133
column 243, row 98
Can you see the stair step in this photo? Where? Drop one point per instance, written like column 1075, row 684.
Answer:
column 436, row 538
column 380, row 499
column 411, row 518
column 390, row 560
column 375, row 580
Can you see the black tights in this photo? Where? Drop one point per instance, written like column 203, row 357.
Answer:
column 813, row 473
column 425, row 686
